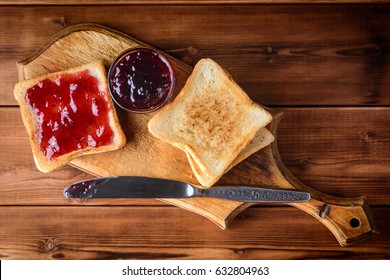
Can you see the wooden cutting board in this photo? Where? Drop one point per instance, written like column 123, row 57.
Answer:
column 348, row 219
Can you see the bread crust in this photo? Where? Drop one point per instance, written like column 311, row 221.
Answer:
column 29, row 119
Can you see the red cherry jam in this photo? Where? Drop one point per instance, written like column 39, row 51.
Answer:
column 71, row 113
column 141, row 80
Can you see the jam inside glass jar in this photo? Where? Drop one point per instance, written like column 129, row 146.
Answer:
column 141, row 80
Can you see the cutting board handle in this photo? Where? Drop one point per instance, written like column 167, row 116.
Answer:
column 350, row 220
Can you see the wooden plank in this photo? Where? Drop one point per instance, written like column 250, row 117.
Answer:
column 116, row 232
column 339, row 151
column 280, row 54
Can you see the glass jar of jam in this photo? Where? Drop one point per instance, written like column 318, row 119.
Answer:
column 141, row 80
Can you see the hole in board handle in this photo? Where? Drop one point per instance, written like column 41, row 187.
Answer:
column 354, row 222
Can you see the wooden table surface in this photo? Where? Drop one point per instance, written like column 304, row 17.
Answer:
column 326, row 66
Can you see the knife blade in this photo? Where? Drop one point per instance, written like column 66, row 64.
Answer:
column 145, row 187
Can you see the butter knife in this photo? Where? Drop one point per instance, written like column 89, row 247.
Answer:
column 145, row 187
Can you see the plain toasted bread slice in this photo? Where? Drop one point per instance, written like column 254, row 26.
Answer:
column 212, row 119
column 262, row 139
column 35, row 120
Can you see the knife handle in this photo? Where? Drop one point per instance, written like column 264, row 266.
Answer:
column 254, row 194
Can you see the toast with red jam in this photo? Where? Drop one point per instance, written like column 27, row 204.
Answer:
column 69, row 114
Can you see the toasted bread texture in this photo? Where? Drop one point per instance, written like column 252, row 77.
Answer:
column 60, row 122
column 212, row 119
column 262, row 138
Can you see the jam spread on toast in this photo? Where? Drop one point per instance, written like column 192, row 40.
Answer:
column 141, row 80
column 71, row 113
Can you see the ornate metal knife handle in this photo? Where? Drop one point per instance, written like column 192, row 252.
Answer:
column 250, row 194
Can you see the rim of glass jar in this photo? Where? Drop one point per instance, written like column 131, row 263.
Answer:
column 163, row 58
